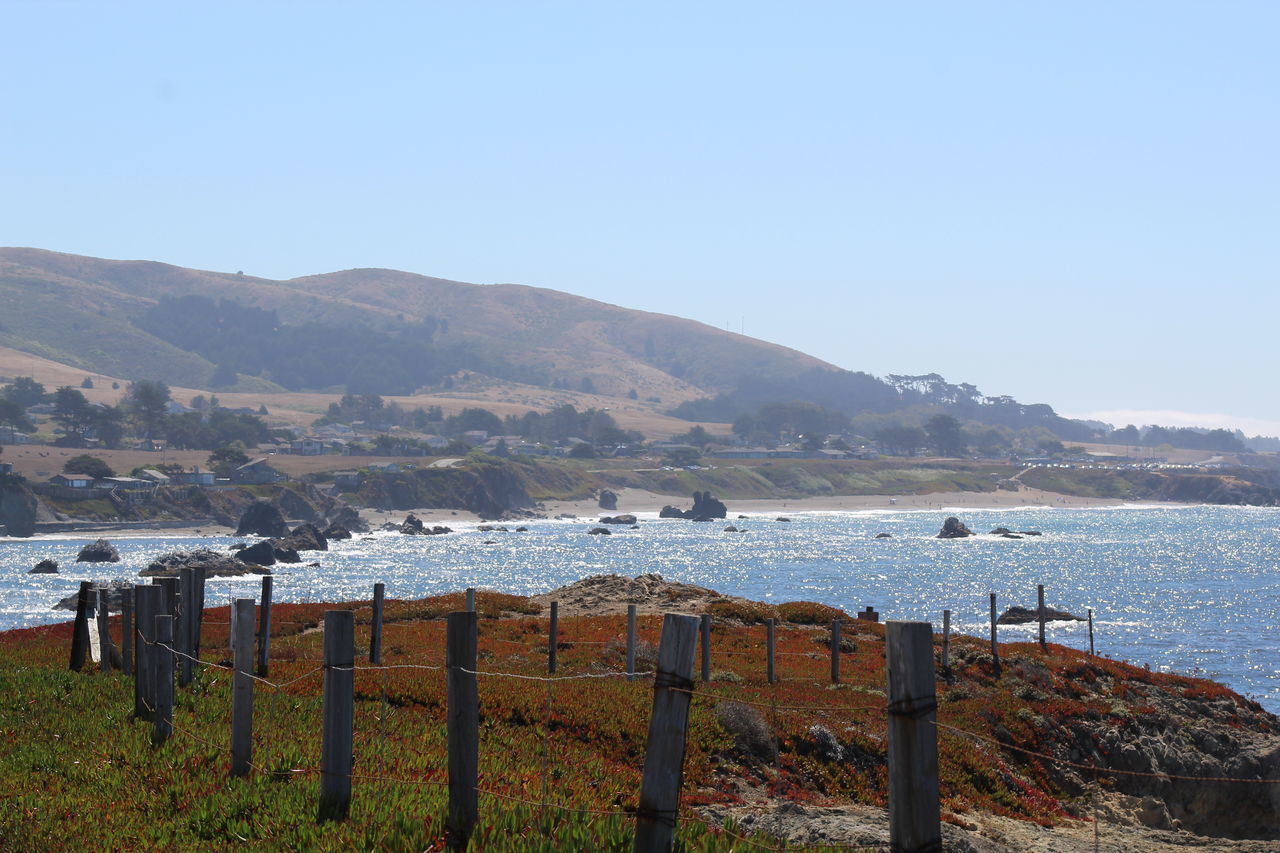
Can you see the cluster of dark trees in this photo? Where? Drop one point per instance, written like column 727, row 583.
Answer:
column 143, row 413
column 1222, row 440
column 242, row 339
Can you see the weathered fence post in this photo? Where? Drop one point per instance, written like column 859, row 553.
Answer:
column 146, row 599
column 704, row 629
column 126, row 630
column 242, row 686
column 168, row 596
column 194, row 625
column 914, row 813
column 554, row 639
column 104, row 632
column 375, row 630
column 1091, row 632
column 835, row 651
column 1040, row 615
column 770, row 628
column 463, row 726
column 946, row 641
column 631, row 641
column 471, row 598
column 80, row 631
column 264, row 626
column 339, row 714
column 162, row 669
column 995, row 649
column 664, row 754
column 187, row 595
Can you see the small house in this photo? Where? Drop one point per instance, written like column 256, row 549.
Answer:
column 194, row 477
column 72, row 481
column 307, row 446
column 151, row 474
column 348, row 481
column 256, row 473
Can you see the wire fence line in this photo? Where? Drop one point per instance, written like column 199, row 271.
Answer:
column 544, row 802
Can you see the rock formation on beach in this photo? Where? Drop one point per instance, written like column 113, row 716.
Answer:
column 262, row 518
column 705, row 508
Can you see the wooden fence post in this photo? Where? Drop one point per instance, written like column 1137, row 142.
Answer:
column 126, row 630
column 664, row 755
column 835, row 651
column 770, row 650
column 187, row 595
column 631, row 641
column 704, row 629
column 195, row 624
column 463, row 727
column 168, row 596
column 242, row 686
column 914, row 812
column 1040, row 615
column 104, row 633
column 375, row 630
column 1091, row 632
column 554, row 639
column 995, row 649
column 80, row 631
column 145, row 607
column 339, row 714
column 264, row 627
column 471, row 598
column 946, row 641
column 162, row 669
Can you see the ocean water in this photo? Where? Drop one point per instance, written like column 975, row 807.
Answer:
column 1189, row 589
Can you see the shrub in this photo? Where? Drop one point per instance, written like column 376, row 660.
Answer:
column 810, row 613
column 751, row 735
column 746, row 612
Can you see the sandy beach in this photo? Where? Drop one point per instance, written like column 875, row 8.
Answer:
column 638, row 501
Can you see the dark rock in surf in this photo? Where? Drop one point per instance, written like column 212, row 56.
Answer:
column 98, row 551
column 953, row 528
column 45, row 567
column 262, row 519
column 1023, row 615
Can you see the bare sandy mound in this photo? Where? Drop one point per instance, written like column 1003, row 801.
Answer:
column 605, row 594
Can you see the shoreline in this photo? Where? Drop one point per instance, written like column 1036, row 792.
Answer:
column 638, row 501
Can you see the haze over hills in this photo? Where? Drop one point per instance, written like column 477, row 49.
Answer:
column 400, row 334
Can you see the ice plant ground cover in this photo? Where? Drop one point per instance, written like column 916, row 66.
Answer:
column 559, row 760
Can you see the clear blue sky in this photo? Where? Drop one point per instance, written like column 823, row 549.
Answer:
column 1071, row 203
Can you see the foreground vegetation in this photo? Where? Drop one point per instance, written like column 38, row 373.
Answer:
column 560, row 762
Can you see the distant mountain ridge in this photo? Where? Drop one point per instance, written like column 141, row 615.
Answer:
column 85, row 312
column 391, row 332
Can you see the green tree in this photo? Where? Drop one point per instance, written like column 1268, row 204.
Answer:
column 147, row 402
column 682, row 456
column 71, row 412
column 582, row 450
column 945, row 436
column 13, row 419
column 91, row 466
column 900, row 439
column 226, row 459
column 24, row 391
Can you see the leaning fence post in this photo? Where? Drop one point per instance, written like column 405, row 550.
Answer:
column 80, row 631
column 704, row 629
column 242, row 686
column 554, row 639
column 1091, row 632
column 631, row 641
column 835, row 651
column 946, row 641
column 162, row 669
column 1040, row 615
column 770, row 627
column 914, row 813
column 995, row 650
column 339, row 714
column 375, row 630
column 145, row 606
column 187, row 595
column 664, row 754
column 264, row 626
column 104, row 633
column 463, row 727
column 126, row 630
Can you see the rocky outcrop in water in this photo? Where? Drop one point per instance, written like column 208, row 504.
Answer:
column 625, row 518
column 1023, row 615
column 215, row 564
column 98, row 551
column 705, row 508
column 44, row 567
column 953, row 528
